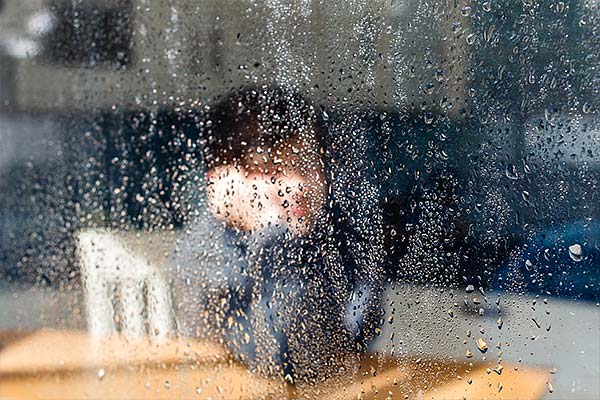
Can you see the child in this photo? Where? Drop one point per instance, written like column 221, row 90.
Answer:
column 282, row 263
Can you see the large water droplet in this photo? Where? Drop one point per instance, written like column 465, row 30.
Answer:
column 575, row 252
column 482, row 345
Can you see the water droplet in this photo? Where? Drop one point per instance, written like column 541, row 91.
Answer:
column 550, row 386
column 560, row 7
column 101, row 373
column 553, row 370
column 465, row 11
column 469, row 354
column 470, row 38
column 531, row 77
column 470, row 289
column 511, row 172
column 587, row 107
column 498, row 369
column 428, row 117
column 427, row 88
column 550, row 113
column 500, row 322
column 482, row 345
column 439, row 75
column 487, row 6
column 198, row 390
column 489, row 34
column 501, row 70
column 443, row 102
column 456, row 26
column 575, row 252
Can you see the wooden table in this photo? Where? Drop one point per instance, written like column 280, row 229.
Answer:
column 70, row 365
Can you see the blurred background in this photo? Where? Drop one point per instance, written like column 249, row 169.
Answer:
column 482, row 118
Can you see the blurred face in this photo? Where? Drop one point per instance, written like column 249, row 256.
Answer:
column 283, row 185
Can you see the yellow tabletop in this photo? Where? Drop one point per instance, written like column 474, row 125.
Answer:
column 71, row 365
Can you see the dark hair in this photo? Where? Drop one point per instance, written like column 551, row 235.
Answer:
column 257, row 117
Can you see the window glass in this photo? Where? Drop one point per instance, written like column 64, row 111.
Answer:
column 299, row 199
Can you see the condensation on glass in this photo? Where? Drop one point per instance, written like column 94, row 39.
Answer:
column 277, row 199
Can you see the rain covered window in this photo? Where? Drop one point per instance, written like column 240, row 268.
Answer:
column 279, row 199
